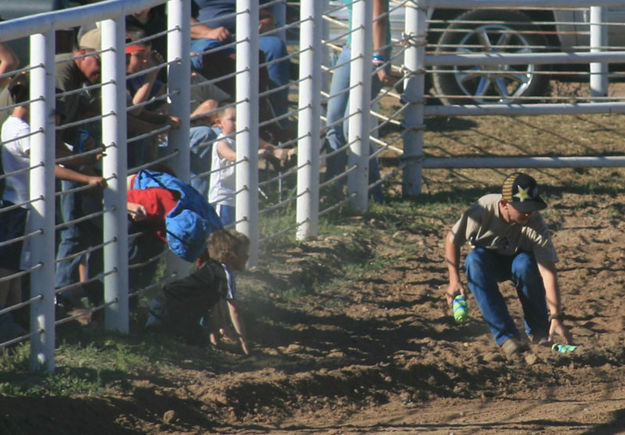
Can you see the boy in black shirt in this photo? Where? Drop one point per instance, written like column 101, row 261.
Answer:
column 189, row 300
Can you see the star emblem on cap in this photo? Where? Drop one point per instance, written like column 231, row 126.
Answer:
column 523, row 193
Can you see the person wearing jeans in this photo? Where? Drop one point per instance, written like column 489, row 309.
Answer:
column 337, row 131
column 484, row 269
column 219, row 27
column 511, row 241
column 338, row 102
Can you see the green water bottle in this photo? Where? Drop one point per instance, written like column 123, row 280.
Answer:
column 460, row 308
column 563, row 348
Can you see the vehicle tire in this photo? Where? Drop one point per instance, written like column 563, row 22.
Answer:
column 489, row 84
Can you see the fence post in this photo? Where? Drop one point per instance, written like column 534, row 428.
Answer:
column 42, row 194
column 114, row 169
column 179, row 90
column 309, row 123
column 326, row 59
column 414, row 63
column 246, row 201
column 179, row 80
column 359, row 102
column 598, row 43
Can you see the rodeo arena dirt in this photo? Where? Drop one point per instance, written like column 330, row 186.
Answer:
column 378, row 351
column 349, row 330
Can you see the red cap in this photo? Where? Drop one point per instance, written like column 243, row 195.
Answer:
column 134, row 48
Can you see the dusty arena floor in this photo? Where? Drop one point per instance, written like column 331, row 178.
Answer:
column 377, row 351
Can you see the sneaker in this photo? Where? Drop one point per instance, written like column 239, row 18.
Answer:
column 512, row 347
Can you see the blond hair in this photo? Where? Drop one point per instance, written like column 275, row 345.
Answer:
column 226, row 242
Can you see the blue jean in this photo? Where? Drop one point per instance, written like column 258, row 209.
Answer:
column 484, row 269
column 273, row 47
column 73, row 239
column 200, row 138
column 337, row 132
column 226, row 213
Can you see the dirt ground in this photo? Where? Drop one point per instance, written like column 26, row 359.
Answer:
column 378, row 351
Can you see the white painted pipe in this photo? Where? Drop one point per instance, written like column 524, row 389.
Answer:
column 523, row 58
column 359, row 101
column 42, row 211
column 525, row 109
column 74, row 17
column 598, row 40
column 523, row 162
column 414, row 90
column 114, row 169
column 541, row 4
column 178, row 87
column 178, row 82
column 309, row 122
column 247, row 140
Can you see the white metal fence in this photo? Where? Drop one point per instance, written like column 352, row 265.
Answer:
column 288, row 199
column 483, row 62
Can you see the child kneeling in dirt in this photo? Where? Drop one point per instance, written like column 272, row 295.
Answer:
column 202, row 295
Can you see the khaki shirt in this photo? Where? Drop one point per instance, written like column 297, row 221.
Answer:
column 482, row 225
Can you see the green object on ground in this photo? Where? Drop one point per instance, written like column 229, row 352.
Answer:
column 461, row 309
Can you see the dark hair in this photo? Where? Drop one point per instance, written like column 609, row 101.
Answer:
column 19, row 88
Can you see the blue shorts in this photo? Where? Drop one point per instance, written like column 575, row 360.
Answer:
column 13, row 225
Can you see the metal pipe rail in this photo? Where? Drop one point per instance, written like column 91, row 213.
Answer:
column 523, row 58
column 523, row 162
column 110, row 18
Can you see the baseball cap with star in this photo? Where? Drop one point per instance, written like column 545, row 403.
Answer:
column 521, row 191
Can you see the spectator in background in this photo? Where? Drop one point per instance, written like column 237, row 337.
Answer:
column 218, row 26
column 73, row 73
column 8, row 63
column 15, row 159
column 222, row 180
column 205, row 98
column 338, row 103
column 141, row 88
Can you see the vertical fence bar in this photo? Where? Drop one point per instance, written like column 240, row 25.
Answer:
column 326, row 59
column 178, row 87
column 598, row 42
column 309, row 123
column 359, row 102
column 114, row 169
column 246, row 201
column 178, row 81
column 42, row 209
column 414, row 64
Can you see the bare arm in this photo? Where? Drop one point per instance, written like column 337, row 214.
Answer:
column 8, row 62
column 64, row 173
column 202, row 31
column 548, row 272
column 380, row 26
column 71, row 175
column 225, row 152
column 144, row 92
column 452, row 258
column 239, row 327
